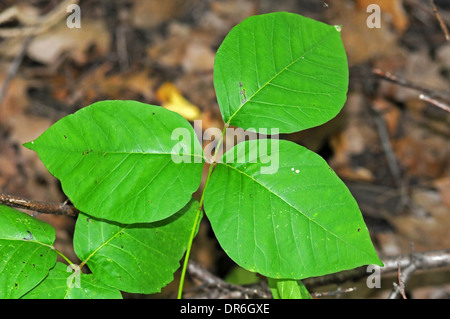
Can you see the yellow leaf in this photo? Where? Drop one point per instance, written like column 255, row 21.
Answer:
column 172, row 99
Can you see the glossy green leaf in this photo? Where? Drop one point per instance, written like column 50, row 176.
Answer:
column 288, row 289
column 281, row 70
column 284, row 213
column 115, row 160
column 63, row 283
column 26, row 252
column 137, row 258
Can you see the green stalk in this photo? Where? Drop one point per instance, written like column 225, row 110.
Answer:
column 63, row 257
column 197, row 217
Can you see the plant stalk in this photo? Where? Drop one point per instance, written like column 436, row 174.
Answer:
column 197, row 217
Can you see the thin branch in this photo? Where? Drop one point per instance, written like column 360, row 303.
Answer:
column 403, row 277
column 39, row 206
column 422, row 260
column 14, row 67
column 392, row 161
column 441, row 21
column 411, row 85
column 225, row 289
column 439, row 104
column 337, row 292
column 218, row 288
column 39, row 25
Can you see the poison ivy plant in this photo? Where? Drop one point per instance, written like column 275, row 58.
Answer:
column 130, row 256
column 281, row 71
column 296, row 223
column 275, row 207
column 114, row 157
column 26, row 250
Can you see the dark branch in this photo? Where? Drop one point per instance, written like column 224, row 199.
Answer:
column 441, row 21
column 433, row 94
column 435, row 102
column 39, row 206
column 423, row 261
column 218, row 288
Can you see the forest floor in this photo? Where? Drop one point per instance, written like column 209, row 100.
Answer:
column 389, row 145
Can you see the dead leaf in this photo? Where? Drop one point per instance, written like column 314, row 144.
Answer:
column 169, row 51
column 172, row 99
column 356, row 138
column 443, row 185
column 233, row 11
column 15, row 101
column 48, row 47
column 428, row 227
column 149, row 14
column 390, row 114
column 421, row 153
column 198, row 57
column 119, row 86
column 361, row 42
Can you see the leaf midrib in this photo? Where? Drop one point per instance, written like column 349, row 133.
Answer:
column 29, row 241
column 103, row 152
column 103, row 245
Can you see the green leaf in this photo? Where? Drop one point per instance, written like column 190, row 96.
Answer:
column 241, row 276
column 281, row 70
column 136, row 258
column 26, row 252
column 284, row 213
column 115, row 160
column 63, row 283
column 288, row 289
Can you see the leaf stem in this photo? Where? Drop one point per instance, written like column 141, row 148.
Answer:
column 188, row 251
column 55, row 250
column 197, row 217
column 63, row 257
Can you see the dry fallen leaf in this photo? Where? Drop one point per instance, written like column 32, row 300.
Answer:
column 443, row 186
column 46, row 48
column 172, row 99
column 15, row 100
column 198, row 58
column 428, row 227
column 149, row 14
column 363, row 43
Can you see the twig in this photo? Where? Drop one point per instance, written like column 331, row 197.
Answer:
column 411, row 85
column 39, row 25
column 337, row 292
column 423, row 261
column 403, row 277
column 439, row 104
column 441, row 21
column 12, row 71
column 39, row 206
column 392, row 162
column 218, row 288
column 387, row 147
column 224, row 288
column 401, row 283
